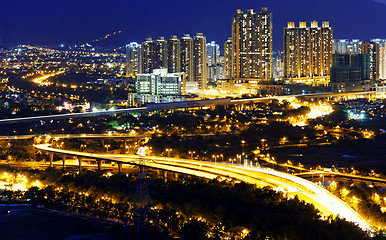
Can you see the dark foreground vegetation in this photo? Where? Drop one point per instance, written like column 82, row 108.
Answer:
column 188, row 207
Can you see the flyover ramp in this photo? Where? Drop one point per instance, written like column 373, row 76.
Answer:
column 326, row 202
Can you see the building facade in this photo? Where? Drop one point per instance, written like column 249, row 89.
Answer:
column 213, row 61
column 159, row 86
column 160, row 53
column 350, row 72
column 252, row 45
column 133, row 59
column 199, row 60
column 345, row 46
column 147, row 55
column 307, row 51
column 186, row 51
column 228, row 59
column 372, row 49
column 174, row 55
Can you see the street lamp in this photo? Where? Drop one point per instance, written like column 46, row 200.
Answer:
column 83, row 147
column 191, row 154
column 215, row 157
column 168, row 150
column 107, row 147
column 222, row 157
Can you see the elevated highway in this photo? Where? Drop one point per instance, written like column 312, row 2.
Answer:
column 181, row 105
column 326, row 202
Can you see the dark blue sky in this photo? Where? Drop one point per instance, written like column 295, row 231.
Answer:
column 51, row 22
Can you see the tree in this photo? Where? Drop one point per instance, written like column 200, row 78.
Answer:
column 194, row 229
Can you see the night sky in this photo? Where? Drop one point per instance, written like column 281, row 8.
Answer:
column 52, row 22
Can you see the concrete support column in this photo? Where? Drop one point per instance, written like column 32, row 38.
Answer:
column 51, row 159
column 64, row 161
column 165, row 173
column 175, row 176
column 79, row 163
column 99, row 162
column 119, row 167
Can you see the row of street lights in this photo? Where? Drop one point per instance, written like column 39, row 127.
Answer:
column 216, row 156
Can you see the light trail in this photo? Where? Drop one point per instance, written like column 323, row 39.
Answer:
column 326, row 202
column 41, row 80
column 178, row 105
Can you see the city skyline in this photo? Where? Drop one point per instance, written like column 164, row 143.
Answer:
column 187, row 120
column 64, row 22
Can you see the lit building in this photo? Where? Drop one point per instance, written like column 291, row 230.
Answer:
column 186, row 50
column 147, row 56
column 159, row 86
column 308, row 52
column 372, row 48
column 220, row 68
column 228, row 59
column 340, row 46
column 252, row 45
column 345, row 46
column 382, row 57
column 277, row 65
column 350, row 72
column 249, row 87
column 213, row 61
column 199, row 60
column 160, row 53
column 133, row 59
column 174, row 59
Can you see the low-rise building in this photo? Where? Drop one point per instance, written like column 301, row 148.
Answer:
column 159, row 87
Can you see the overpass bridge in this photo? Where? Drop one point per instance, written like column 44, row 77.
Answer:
column 326, row 202
column 185, row 105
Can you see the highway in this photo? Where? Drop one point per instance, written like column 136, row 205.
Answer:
column 177, row 105
column 326, row 202
column 342, row 175
column 59, row 136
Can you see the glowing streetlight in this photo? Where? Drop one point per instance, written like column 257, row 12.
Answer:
column 83, row 147
column 107, row 148
column 168, row 150
column 191, row 154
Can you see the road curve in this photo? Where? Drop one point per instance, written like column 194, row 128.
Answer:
column 323, row 200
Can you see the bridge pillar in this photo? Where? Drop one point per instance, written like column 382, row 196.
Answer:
column 99, row 162
column 119, row 167
column 64, row 161
column 165, row 173
column 51, row 159
column 79, row 163
column 175, row 176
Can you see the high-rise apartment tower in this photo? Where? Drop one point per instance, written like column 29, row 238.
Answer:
column 252, row 44
column 199, row 60
column 307, row 50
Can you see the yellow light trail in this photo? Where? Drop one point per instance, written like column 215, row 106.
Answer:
column 41, row 80
column 325, row 201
